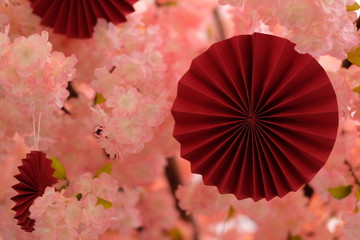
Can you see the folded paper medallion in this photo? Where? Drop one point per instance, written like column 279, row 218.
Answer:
column 77, row 18
column 254, row 117
column 35, row 175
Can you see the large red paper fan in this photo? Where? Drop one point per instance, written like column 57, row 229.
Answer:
column 255, row 117
column 35, row 175
column 77, row 18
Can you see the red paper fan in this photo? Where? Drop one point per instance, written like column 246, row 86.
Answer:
column 78, row 18
column 255, row 117
column 35, row 175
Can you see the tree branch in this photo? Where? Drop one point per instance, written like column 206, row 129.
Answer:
column 219, row 24
column 174, row 180
column 351, row 169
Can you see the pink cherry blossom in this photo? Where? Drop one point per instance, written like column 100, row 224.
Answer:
column 27, row 64
column 105, row 186
column 352, row 224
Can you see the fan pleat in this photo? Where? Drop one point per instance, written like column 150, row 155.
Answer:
column 198, row 128
column 37, row 165
column 41, row 7
column 208, row 75
column 199, row 143
column 302, row 102
column 25, row 169
column 77, row 18
column 50, row 16
column 125, row 7
column 273, row 70
column 24, row 205
column 277, row 173
column 201, row 163
column 294, row 179
column 307, row 143
column 302, row 123
column 112, row 12
column 227, row 185
column 259, row 52
column 81, row 23
column 225, row 106
column 303, row 149
column 61, row 22
column 244, row 186
column 259, row 191
column 218, row 171
column 268, row 180
column 98, row 10
column 90, row 17
column 28, row 224
column 190, row 116
column 230, row 72
column 202, row 108
column 22, row 186
column 288, row 82
column 244, row 63
column 71, row 26
column 24, row 177
column 34, row 166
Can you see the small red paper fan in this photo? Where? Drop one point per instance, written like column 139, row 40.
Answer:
column 77, row 18
column 35, row 175
column 255, row 117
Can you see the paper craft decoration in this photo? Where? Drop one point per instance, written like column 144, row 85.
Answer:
column 35, row 175
column 255, row 117
column 77, row 18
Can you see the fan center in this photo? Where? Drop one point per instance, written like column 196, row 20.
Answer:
column 251, row 119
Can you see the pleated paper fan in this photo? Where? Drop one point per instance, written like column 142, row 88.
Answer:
column 35, row 175
column 77, row 18
column 255, row 117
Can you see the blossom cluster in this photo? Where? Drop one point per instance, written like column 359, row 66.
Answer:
column 27, row 63
column 327, row 29
column 85, row 210
column 133, row 103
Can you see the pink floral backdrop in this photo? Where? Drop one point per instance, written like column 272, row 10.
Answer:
column 103, row 109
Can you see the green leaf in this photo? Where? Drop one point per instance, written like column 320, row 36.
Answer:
column 78, row 196
column 340, row 192
column 167, row 4
column 175, row 234
column 357, row 193
column 354, row 57
column 231, row 213
column 353, row 7
column 60, row 172
column 99, row 99
column 357, row 89
column 106, row 204
column 105, row 169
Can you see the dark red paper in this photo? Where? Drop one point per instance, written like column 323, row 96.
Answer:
column 35, row 175
column 77, row 18
column 255, row 117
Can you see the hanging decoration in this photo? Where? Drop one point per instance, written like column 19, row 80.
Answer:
column 35, row 175
column 76, row 19
column 255, row 117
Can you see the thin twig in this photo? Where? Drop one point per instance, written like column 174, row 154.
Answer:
column 351, row 169
column 219, row 24
column 174, row 180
